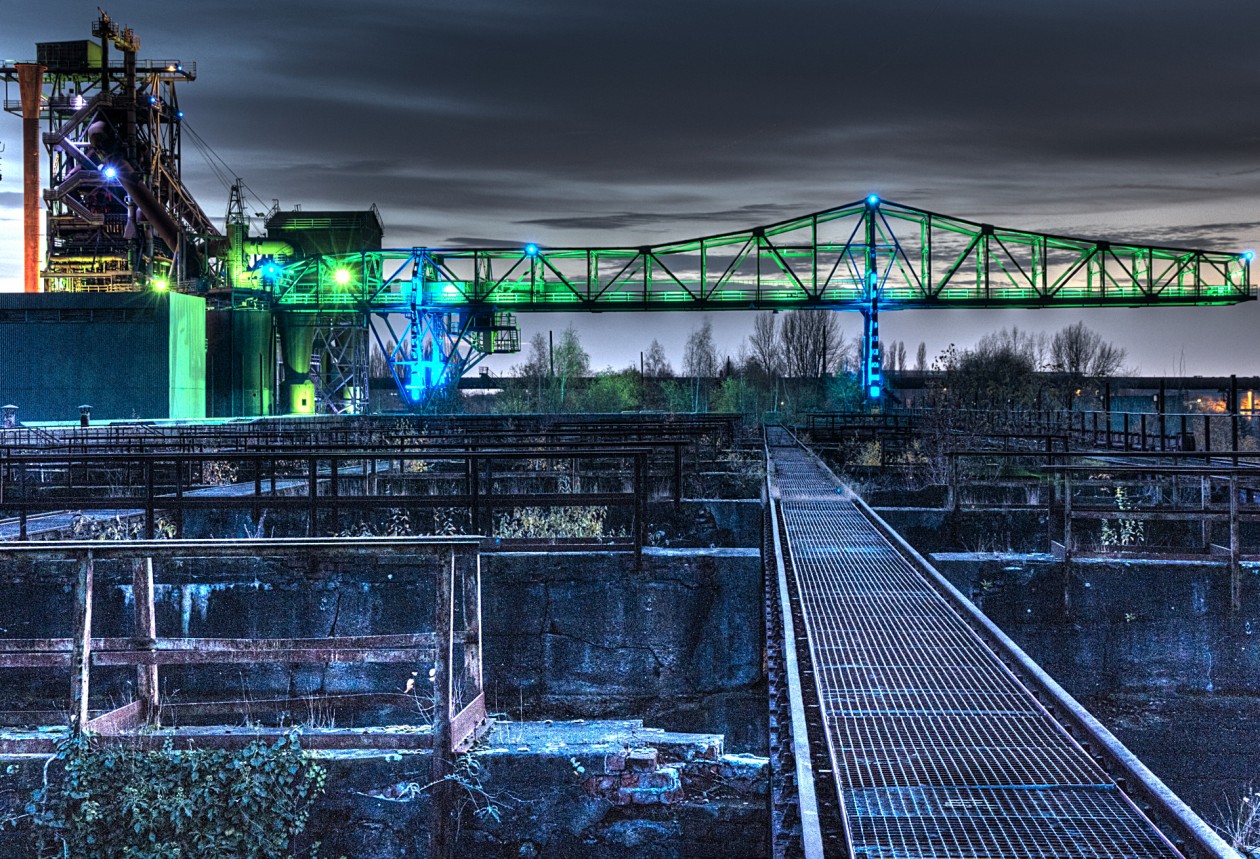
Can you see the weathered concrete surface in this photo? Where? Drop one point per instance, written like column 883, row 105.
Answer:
column 705, row 523
column 566, row 635
column 679, row 643
column 931, row 530
column 530, row 789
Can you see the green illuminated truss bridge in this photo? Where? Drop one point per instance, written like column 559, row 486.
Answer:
column 867, row 256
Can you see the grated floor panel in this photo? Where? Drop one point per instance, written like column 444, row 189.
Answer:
column 939, row 750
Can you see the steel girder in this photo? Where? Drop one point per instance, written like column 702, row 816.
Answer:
column 843, row 258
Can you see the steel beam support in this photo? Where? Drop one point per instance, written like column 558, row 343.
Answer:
column 872, row 371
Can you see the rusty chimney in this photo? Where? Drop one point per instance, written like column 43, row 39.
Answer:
column 31, row 87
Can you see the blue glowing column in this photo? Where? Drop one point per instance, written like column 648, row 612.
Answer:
column 870, row 372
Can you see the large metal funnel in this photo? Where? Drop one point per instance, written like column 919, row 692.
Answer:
column 297, row 338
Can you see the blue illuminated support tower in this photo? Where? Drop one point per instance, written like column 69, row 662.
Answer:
column 871, row 372
column 439, row 343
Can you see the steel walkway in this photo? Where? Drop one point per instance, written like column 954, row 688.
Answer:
column 937, row 747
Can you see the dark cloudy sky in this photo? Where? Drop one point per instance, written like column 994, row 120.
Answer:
column 591, row 121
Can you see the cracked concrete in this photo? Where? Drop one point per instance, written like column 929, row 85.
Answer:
column 585, row 635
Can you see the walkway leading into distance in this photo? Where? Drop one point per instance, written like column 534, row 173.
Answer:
column 937, row 748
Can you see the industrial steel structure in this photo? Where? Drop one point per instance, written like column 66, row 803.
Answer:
column 118, row 214
column 867, row 256
column 120, row 218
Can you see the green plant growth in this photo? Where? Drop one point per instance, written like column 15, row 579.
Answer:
column 112, row 803
column 551, row 523
column 84, row 527
column 1124, row 532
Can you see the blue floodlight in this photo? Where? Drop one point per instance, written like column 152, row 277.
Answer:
column 1249, row 255
column 272, row 269
column 109, row 171
column 872, row 200
column 531, row 250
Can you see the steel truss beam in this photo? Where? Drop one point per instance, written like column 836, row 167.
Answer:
column 867, row 256
column 840, row 258
column 339, row 366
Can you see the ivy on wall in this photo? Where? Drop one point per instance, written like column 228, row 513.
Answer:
column 113, row 803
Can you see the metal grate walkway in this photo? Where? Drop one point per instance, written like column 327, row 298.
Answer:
column 938, row 749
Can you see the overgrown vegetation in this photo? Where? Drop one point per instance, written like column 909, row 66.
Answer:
column 113, row 803
column 1242, row 825
column 85, row 527
column 552, row 523
column 1124, row 531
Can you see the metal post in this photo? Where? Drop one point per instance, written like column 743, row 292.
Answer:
column 1205, row 498
column 474, row 493
column 1067, row 541
column 1107, row 409
column 179, row 497
column 441, row 833
column 1233, row 417
column 1067, row 516
column 470, row 596
column 333, row 489
column 22, row 494
column 81, row 654
column 1163, row 426
column 678, row 466
column 145, row 636
column 486, row 523
column 148, row 499
column 1235, row 567
column 640, row 508
column 312, row 489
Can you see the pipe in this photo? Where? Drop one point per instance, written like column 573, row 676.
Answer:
column 267, row 247
column 297, row 340
column 31, row 86
column 148, row 204
column 221, row 245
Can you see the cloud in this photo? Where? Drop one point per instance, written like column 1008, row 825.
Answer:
column 751, row 215
column 587, row 123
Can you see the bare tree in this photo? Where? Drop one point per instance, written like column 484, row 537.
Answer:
column 536, row 368
column 811, row 343
column 656, row 364
column 898, row 353
column 1080, row 351
column 1012, row 341
column 764, row 348
column 920, row 358
column 700, row 361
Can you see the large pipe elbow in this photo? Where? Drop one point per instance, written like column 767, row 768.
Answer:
column 148, row 204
